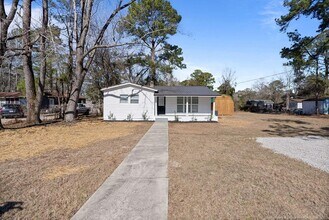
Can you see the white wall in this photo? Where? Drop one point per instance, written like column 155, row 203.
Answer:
column 171, row 105
column 192, row 117
column 203, row 108
column 120, row 111
column 205, row 105
column 204, row 111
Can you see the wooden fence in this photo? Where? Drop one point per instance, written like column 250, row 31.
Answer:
column 224, row 105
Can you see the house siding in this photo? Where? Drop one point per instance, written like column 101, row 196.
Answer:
column 309, row 107
column 114, row 110
column 203, row 108
column 121, row 111
column 205, row 105
column 171, row 105
column 204, row 111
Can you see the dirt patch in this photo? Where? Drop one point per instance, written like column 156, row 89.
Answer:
column 219, row 171
column 65, row 165
column 60, row 171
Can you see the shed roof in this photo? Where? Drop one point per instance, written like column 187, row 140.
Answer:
column 184, row 91
column 314, row 99
column 10, row 95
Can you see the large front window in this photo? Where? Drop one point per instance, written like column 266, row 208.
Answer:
column 134, row 99
column 181, row 105
column 192, row 102
column 123, row 98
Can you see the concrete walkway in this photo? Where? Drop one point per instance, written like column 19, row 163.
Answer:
column 138, row 188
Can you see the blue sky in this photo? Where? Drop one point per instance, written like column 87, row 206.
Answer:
column 241, row 35
column 218, row 34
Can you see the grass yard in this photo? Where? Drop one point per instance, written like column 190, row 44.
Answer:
column 48, row 172
column 219, row 171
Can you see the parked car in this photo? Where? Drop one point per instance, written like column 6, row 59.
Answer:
column 82, row 109
column 11, row 111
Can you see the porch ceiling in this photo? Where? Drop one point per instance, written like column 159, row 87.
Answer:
column 184, row 91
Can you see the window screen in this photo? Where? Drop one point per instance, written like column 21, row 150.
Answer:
column 123, row 98
column 181, row 104
column 134, row 99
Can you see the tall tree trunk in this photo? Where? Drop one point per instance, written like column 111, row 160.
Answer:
column 16, row 81
column 76, row 87
column 32, row 115
column 5, row 21
column 9, row 75
column 43, row 57
column 287, row 101
column 326, row 66
column 81, row 30
column 3, row 38
column 1, row 126
column 153, row 66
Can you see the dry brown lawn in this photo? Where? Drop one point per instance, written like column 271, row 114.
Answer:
column 218, row 171
column 48, row 172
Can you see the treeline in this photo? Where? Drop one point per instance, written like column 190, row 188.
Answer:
column 308, row 55
column 84, row 45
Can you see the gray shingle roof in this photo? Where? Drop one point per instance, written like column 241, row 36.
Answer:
column 184, row 91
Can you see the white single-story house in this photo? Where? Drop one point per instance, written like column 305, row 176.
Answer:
column 130, row 101
column 309, row 106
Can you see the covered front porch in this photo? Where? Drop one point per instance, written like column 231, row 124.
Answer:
column 185, row 108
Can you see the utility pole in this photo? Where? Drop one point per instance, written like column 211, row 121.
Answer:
column 288, row 95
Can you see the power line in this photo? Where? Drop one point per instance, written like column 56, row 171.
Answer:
column 264, row 77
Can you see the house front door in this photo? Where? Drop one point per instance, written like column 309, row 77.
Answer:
column 161, row 105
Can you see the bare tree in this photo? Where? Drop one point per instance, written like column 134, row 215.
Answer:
column 43, row 59
column 5, row 21
column 84, row 55
column 32, row 114
column 228, row 82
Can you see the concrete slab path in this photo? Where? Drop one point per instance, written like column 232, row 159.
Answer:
column 138, row 188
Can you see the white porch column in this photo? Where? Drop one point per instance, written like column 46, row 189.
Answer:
column 186, row 107
column 155, row 106
column 213, row 108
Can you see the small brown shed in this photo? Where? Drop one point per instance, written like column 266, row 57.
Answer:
column 224, row 105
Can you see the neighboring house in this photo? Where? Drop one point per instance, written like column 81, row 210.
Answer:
column 50, row 99
column 12, row 98
column 309, row 106
column 176, row 103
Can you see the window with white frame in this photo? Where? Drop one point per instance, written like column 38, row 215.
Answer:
column 193, row 105
column 134, row 99
column 181, row 104
column 123, row 98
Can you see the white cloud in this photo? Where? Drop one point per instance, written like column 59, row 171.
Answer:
column 273, row 9
column 36, row 14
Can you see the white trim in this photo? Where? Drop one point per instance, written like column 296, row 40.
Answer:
column 184, row 95
column 128, row 84
column 190, row 114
